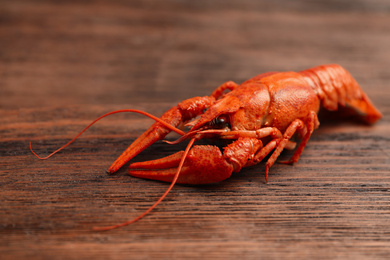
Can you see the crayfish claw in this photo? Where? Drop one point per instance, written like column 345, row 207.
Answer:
column 204, row 164
column 156, row 132
column 169, row 121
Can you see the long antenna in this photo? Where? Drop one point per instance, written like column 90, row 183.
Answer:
column 159, row 200
column 180, row 132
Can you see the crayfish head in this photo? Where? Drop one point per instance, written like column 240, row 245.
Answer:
column 218, row 115
column 244, row 108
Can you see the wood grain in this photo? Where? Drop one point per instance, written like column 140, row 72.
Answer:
column 63, row 63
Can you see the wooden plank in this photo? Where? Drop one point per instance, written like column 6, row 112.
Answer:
column 65, row 63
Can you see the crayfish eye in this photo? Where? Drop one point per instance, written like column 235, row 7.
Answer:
column 220, row 121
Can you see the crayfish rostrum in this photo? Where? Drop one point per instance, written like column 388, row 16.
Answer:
column 259, row 117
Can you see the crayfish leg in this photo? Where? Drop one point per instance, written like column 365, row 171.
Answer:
column 279, row 144
column 230, row 85
column 312, row 124
column 263, row 153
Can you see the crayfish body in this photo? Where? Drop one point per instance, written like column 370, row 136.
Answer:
column 259, row 117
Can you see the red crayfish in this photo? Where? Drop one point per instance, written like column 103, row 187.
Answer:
column 259, row 117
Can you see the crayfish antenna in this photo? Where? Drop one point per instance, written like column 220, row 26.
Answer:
column 105, row 115
column 159, row 200
column 183, row 137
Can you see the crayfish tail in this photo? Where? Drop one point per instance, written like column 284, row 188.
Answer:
column 337, row 89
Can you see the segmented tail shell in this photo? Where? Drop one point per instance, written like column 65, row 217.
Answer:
column 335, row 87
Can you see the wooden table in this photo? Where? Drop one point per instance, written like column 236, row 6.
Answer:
column 63, row 63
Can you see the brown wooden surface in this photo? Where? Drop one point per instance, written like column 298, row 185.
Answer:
column 63, row 63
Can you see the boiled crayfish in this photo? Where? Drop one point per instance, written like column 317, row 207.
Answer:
column 259, row 117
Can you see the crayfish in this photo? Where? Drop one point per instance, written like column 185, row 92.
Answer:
column 258, row 118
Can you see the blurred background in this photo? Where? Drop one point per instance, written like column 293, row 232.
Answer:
column 63, row 63
column 91, row 52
